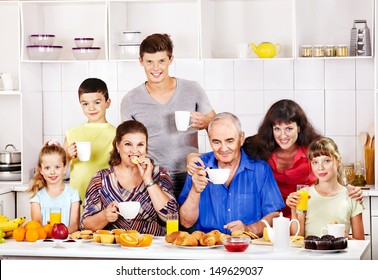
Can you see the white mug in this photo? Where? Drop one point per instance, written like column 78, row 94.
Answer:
column 7, row 81
column 243, row 50
column 84, row 150
column 182, row 120
column 337, row 230
column 128, row 209
column 218, row 175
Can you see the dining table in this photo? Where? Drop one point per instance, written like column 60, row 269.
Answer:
column 161, row 250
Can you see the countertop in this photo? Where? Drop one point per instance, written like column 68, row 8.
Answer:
column 11, row 249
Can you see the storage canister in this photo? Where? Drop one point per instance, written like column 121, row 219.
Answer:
column 341, row 50
column 306, row 51
column 318, row 51
column 330, row 51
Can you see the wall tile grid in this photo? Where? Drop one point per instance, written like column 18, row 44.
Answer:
column 336, row 94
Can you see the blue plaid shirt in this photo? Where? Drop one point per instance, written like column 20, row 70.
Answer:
column 252, row 194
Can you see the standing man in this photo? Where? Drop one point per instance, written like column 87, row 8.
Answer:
column 249, row 195
column 154, row 104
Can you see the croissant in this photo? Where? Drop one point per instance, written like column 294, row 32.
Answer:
column 207, row 240
column 186, row 240
column 198, row 234
column 218, row 236
column 174, row 235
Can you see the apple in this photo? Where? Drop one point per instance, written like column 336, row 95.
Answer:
column 59, row 231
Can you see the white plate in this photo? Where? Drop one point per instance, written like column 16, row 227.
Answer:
column 197, row 247
column 110, row 245
column 324, row 251
column 136, row 248
column 63, row 243
column 84, row 240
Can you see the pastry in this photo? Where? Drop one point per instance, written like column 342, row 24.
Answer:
column 198, row 234
column 170, row 238
column 135, row 159
column 75, row 235
column 207, row 240
column 186, row 240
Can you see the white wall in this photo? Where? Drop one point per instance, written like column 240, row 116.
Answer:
column 337, row 94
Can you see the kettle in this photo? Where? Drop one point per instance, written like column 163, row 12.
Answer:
column 266, row 49
column 280, row 233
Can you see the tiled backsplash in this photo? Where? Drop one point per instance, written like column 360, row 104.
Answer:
column 336, row 94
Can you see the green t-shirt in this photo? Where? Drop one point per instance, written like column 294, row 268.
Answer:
column 325, row 210
column 101, row 135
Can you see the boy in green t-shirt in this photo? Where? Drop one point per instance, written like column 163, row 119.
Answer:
column 94, row 100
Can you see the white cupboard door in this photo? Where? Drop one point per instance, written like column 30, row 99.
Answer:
column 8, row 205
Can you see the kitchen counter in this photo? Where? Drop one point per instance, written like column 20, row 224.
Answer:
column 357, row 249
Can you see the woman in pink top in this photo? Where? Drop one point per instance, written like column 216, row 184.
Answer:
column 282, row 141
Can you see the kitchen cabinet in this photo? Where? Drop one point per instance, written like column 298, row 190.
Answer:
column 23, row 204
column 7, row 204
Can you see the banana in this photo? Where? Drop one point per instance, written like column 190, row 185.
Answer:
column 3, row 219
column 8, row 234
column 10, row 225
column 20, row 220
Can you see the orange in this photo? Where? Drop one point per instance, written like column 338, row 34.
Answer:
column 42, row 234
column 144, row 240
column 19, row 234
column 32, row 235
column 128, row 240
column 48, row 230
column 32, row 225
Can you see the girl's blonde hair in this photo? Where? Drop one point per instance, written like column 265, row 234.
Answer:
column 324, row 146
column 51, row 147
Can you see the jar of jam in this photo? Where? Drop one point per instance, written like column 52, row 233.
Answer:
column 318, row 51
column 306, row 51
column 330, row 51
column 341, row 50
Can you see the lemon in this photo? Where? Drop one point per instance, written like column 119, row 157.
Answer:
column 265, row 234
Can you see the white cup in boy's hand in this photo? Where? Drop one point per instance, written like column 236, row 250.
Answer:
column 84, row 150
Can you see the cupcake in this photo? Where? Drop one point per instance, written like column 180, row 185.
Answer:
column 310, row 242
column 340, row 243
column 325, row 242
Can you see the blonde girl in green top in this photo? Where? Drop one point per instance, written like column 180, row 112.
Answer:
column 94, row 100
column 329, row 201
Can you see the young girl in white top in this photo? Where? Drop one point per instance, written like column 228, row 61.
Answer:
column 329, row 201
column 48, row 189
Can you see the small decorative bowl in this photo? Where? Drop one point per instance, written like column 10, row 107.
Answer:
column 68, row 243
column 37, row 52
column 84, row 42
column 42, row 39
column 89, row 53
column 129, row 51
column 236, row 243
column 131, row 36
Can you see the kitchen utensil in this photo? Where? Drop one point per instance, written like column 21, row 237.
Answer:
column 84, row 42
column 362, row 138
column 42, row 39
column 37, row 52
column 90, row 53
column 266, row 49
column 10, row 167
column 10, row 156
column 372, row 135
column 10, row 176
column 280, row 233
column 360, row 43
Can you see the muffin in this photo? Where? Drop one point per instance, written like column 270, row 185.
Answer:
column 310, row 242
column 107, row 238
column 340, row 243
column 325, row 242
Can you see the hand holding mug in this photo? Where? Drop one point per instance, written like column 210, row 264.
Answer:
column 200, row 180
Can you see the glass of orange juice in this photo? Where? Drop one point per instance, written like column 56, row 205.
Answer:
column 55, row 215
column 172, row 222
column 303, row 201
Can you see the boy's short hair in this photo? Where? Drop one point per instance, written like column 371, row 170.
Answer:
column 94, row 85
column 156, row 43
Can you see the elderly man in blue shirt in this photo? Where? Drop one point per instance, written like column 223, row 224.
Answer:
column 249, row 195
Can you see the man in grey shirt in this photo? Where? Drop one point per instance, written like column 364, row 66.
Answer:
column 154, row 104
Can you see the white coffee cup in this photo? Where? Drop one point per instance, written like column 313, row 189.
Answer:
column 337, row 230
column 218, row 175
column 7, row 81
column 182, row 119
column 243, row 50
column 84, row 150
column 129, row 209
